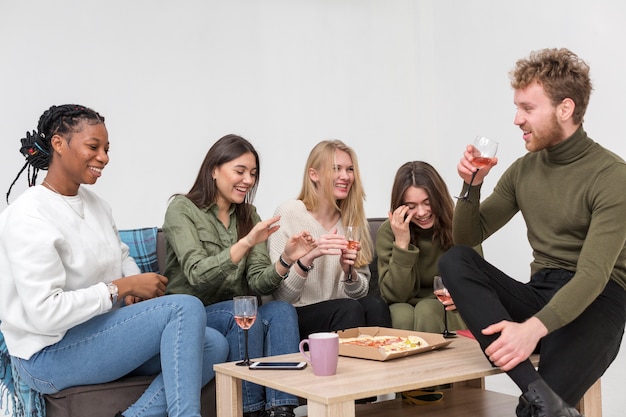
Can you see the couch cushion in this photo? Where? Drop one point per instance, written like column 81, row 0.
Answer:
column 142, row 245
column 104, row 400
column 98, row 400
column 374, row 224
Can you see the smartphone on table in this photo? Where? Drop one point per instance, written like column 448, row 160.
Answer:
column 278, row 365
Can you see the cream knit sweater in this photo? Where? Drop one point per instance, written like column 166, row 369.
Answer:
column 322, row 283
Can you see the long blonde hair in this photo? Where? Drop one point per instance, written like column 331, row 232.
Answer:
column 322, row 159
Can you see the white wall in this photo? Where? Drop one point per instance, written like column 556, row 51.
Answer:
column 397, row 80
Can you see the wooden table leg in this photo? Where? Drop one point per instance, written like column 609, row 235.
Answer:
column 228, row 396
column 591, row 403
column 343, row 409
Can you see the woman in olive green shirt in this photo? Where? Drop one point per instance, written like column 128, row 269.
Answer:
column 216, row 250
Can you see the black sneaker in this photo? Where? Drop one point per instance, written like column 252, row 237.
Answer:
column 281, row 411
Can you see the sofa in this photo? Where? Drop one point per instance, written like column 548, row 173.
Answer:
column 104, row 400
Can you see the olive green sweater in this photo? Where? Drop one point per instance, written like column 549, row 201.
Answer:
column 406, row 275
column 573, row 199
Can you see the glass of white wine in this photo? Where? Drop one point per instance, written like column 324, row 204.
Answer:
column 245, row 308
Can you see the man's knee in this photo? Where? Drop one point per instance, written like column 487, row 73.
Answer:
column 453, row 255
column 454, row 262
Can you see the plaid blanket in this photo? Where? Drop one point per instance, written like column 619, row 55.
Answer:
column 142, row 245
column 17, row 398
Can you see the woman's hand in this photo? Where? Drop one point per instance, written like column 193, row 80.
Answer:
column 259, row 234
column 400, row 219
column 330, row 244
column 262, row 231
column 141, row 286
column 348, row 257
column 449, row 303
column 299, row 245
column 131, row 299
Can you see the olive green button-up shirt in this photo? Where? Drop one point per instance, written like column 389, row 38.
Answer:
column 198, row 256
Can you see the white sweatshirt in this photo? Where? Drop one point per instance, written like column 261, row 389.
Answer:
column 54, row 265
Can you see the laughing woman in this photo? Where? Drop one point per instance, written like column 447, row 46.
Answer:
column 330, row 200
column 216, row 250
column 64, row 269
column 409, row 244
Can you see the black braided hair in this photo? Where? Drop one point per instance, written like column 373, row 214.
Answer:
column 57, row 120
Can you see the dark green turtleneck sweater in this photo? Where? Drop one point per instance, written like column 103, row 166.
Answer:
column 573, row 199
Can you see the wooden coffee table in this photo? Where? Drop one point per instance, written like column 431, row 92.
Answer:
column 462, row 364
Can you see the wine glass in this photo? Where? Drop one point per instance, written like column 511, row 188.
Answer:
column 484, row 150
column 353, row 236
column 245, row 308
column 443, row 295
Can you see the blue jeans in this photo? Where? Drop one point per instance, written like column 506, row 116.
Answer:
column 275, row 332
column 132, row 340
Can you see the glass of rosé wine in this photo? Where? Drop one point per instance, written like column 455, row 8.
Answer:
column 245, row 308
column 484, row 150
column 441, row 292
column 353, row 236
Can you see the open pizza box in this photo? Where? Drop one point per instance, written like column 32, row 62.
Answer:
column 433, row 340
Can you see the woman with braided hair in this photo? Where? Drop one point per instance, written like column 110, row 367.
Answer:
column 64, row 268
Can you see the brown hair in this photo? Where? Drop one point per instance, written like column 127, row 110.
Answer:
column 322, row 159
column 561, row 73
column 203, row 193
column 423, row 175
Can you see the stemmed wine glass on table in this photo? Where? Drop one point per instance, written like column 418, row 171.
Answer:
column 245, row 308
column 353, row 236
column 484, row 150
column 441, row 292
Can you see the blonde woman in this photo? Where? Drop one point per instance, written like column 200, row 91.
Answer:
column 331, row 199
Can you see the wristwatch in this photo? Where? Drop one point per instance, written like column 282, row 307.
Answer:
column 113, row 292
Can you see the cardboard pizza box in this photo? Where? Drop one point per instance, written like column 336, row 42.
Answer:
column 434, row 340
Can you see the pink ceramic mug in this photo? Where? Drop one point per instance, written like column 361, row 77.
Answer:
column 324, row 352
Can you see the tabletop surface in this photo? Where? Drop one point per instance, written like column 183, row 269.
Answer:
column 358, row 378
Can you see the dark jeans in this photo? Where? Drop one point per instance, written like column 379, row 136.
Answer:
column 573, row 357
column 343, row 313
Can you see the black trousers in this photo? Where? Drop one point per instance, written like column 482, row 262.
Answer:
column 573, row 357
column 343, row 313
